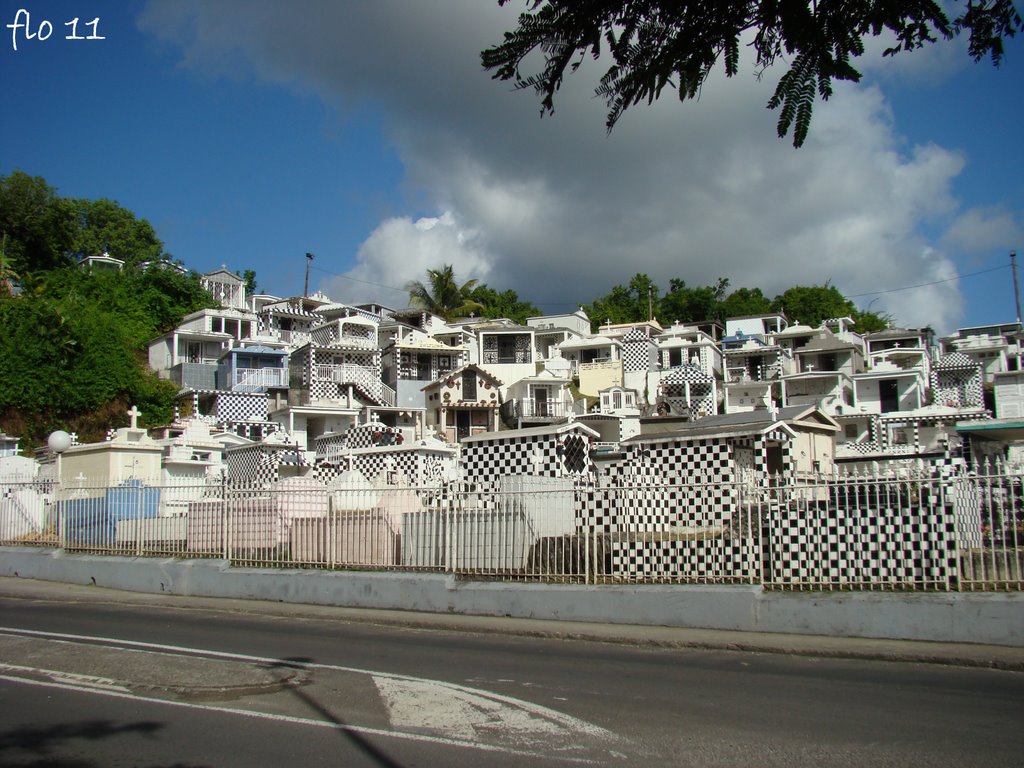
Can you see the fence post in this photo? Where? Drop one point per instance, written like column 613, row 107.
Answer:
column 590, row 570
column 58, row 504
column 942, row 486
column 226, row 519
column 138, row 520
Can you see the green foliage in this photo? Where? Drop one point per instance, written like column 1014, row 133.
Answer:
column 503, row 304
column 810, row 304
column 631, row 303
column 37, row 228
column 654, row 44
column 76, row 343
column 684, row 304
column 743, row 302
column 249, row 276
column 7, row 274
column 870, row 322
column 104, row 226
column 689, row 305
column 442, row 294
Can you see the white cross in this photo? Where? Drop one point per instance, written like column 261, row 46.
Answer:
column 133, row 414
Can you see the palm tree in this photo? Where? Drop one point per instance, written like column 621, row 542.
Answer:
column 442, row 295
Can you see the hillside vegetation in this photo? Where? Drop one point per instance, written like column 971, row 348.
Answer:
column 73, row 346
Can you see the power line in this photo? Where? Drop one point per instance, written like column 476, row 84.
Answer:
column 574, row 303
column 925, row 285
column 357, row 280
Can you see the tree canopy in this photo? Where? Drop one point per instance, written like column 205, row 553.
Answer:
column 443, row 295
column 654, row 44
column 37, row 227
column 503, row 304
column 104, row 226
column 41, row 231
column 811, row 304
column 630, row 303
column 74, row 346
column 72, row 354
column 808, row 304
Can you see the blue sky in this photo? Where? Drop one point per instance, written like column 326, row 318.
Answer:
column 252, row 132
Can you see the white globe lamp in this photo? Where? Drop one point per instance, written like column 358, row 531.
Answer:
column 59, row 441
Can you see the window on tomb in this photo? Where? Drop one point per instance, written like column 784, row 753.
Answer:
column 469, row 385
column 423, row 367
column 506, row 349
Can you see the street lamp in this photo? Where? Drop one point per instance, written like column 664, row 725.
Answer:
column 58, row 442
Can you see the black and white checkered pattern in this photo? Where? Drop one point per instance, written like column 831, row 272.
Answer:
column 862, row 541
column 233, row 407
column 639, row 352
column 553, row 454
column 957, row 381
column 416, row 466
column 259, row 465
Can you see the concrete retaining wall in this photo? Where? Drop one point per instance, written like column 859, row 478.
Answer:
column 990, row 618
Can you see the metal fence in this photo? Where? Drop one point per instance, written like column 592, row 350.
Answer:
column 960, row 530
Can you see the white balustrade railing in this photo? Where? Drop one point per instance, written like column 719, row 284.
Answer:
column 255, row 379
column 366, row 378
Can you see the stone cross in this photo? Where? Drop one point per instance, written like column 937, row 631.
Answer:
column 537, row 460
column 133, row 414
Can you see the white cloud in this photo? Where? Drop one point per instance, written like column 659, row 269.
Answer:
column 560, row 212
column 401, row 250
column 979, row 230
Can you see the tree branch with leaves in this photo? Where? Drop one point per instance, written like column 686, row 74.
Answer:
column 675, row 44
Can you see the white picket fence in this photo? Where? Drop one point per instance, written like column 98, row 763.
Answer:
column 959, row 530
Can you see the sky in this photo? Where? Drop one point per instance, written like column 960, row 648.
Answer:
column 250, row 132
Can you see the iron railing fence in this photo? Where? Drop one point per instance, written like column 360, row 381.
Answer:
column 917, row 530
column 992, row 553
column 28, row 514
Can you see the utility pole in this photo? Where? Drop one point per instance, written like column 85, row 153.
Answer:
column 1016, row 289
column 309, row 260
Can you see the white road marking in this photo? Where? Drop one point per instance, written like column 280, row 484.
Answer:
column 83, row 681
column 288, row 719
column 460, row 712
column 429, row 705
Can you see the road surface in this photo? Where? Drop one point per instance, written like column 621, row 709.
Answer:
column 120, row 682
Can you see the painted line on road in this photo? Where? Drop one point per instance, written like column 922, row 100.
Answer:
column 71, row 678
column 361, row 730
column 551, row 716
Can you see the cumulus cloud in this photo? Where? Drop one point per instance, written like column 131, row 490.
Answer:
column 979, row 230
column 558, row 210
column 401, row 250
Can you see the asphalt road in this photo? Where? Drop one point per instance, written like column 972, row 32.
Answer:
column 128, row 682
